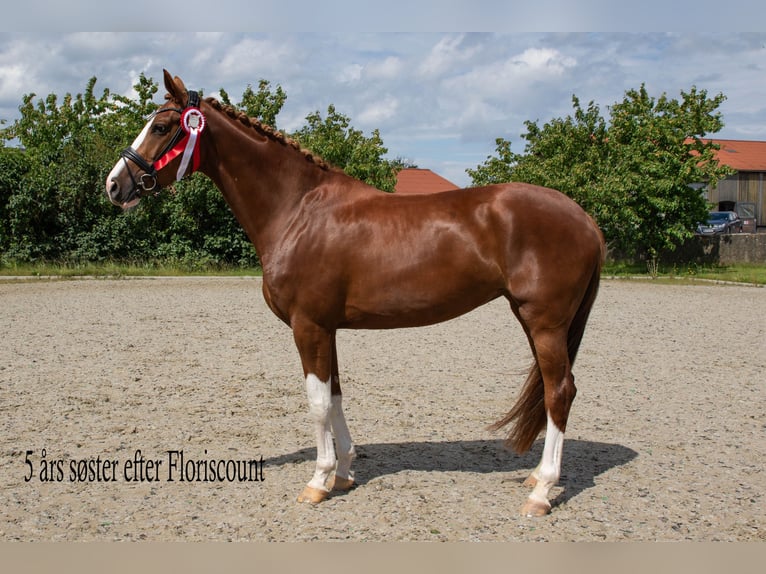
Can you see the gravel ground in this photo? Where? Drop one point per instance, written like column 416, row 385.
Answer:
column 666, row 440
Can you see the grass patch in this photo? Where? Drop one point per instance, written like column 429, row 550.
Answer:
column 121, row 269
column 739, row 273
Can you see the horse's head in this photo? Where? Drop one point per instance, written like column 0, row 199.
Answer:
column 166, row 150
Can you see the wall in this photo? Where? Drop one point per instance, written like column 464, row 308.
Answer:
column 723, row 249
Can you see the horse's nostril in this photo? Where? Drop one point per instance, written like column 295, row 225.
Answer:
column 112, row 191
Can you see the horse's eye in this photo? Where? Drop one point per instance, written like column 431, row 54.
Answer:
column 160, row 129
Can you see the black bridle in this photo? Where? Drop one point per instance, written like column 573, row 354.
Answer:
column 146, row 183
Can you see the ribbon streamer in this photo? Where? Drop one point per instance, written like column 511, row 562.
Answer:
column 193, row 122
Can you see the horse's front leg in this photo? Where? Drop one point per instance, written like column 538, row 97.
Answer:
column 317, row 349
column 344, row 478
column 320, row 404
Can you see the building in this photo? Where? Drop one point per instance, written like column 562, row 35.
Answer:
column 414, row 180
column 747, row 185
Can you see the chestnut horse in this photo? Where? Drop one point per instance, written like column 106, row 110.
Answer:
column 337, row 253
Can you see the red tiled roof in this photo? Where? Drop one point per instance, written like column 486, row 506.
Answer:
column 742, row 155
column 413, row 180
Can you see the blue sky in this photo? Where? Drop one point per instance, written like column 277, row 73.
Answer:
column 439, row 98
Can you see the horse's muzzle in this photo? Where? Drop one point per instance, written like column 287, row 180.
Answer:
column 120, row 197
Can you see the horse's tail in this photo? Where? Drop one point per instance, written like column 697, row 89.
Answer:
column 528, row 414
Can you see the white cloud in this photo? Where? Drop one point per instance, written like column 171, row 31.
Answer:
column 380, row 111
column 12, row 79
column 541, row 61
column 447, row 55
column 421, row 89
column 514, row 75
column 260, row 55
column 374, row 70
column 497, row 96
column 386, row 69
column 351, row 74
column 88, row 41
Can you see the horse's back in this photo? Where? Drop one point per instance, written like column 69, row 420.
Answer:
column 534, row 220
column 502, row 223
column 522, row 202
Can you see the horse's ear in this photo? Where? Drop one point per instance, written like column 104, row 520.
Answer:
column 175, row 88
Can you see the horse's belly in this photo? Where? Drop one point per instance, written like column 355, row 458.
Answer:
column 397, row 306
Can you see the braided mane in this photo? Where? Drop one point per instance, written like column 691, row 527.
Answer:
column 269, row 132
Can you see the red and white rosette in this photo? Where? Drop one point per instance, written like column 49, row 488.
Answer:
column 193, row 123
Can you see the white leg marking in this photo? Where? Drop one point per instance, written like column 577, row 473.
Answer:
column 319, row 408
column 345, row 446
column 548, row 471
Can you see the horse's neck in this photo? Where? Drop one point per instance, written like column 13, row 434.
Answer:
column 262, row 180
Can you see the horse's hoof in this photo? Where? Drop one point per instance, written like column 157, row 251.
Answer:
column 312, row 495
column 340, row 484
column 534, row 508
column 531, row 481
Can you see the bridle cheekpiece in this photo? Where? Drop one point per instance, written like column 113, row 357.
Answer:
column 184, row 141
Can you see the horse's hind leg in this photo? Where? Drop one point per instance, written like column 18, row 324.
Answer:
column 550, row 347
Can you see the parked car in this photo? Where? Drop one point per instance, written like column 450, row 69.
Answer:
column 720, row 222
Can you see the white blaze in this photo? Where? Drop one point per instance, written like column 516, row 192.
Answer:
column 120, row 165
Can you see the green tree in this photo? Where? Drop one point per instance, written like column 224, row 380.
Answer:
column 633, row 173
column 57, row 208
column 658, row 152
column 200, row 229
column 52, row 204
column 347, row 148
column 13, row 167
column 263, row 105
column 496, row 169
